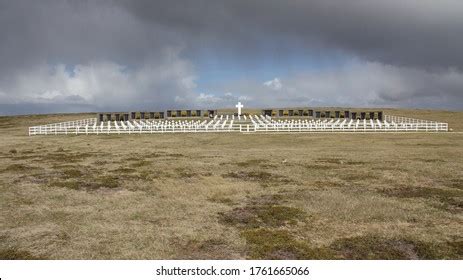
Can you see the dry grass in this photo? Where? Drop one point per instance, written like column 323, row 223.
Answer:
column 222, row 196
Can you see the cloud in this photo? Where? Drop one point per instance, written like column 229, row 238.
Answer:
column 274, row 84
column 208, row 99
column 360, row 84
column 398, row 32
column 227, row 99
column 104, row 84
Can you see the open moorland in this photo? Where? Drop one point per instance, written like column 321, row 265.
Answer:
column 231, row 196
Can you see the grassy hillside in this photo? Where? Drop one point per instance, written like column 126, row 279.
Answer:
column 229, row 196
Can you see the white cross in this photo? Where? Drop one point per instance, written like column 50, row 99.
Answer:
column 239, row 106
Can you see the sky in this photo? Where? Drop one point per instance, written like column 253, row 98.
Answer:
column 115, row 55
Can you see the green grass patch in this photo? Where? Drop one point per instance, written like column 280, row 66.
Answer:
column 17, row 254
column 24, row 157
column 72, row 173
column 455, row 183
column 340, row 161
column 450, row 200
column 372, row 247
column 133, row 158
column 213, row 248
column 270, row 244
column 318, row 167
column 160, row 154
column 63, row 166
column 73, row 185
column 175, row 155
column 16, row 167
column 109, row 182
column 262, row 216
column 124, row 170
column 265, row 178
column 328, row 183
column 67, row 157
column 277, row 215
column 140, row 163
column 185, row 173
column 221, row 199
column 430, row 160
column 358, row 176
column 250, row 163
column 7, row 122
column 19, row 168
column 90, row 184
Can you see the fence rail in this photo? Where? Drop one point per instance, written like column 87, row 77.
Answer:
column 254, row 124
column 400, row 119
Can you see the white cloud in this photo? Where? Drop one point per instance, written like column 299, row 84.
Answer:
column 375, row 84
column 104, row 84
column 206, row 99
column 227, row 99
column 359, row 84
column 171, row 83
column 274, row 84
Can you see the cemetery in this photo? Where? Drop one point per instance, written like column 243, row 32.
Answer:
column 268, row 121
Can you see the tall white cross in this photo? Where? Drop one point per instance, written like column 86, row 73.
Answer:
column 239, row 106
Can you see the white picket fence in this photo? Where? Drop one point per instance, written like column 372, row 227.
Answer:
column 60, row 128
column 346, row 125
column 400, row 119
column 252, row 124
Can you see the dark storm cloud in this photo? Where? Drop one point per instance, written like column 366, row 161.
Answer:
column 421, row 33
column 74, row 32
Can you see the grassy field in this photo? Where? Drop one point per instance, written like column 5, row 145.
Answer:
column 231, row 196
